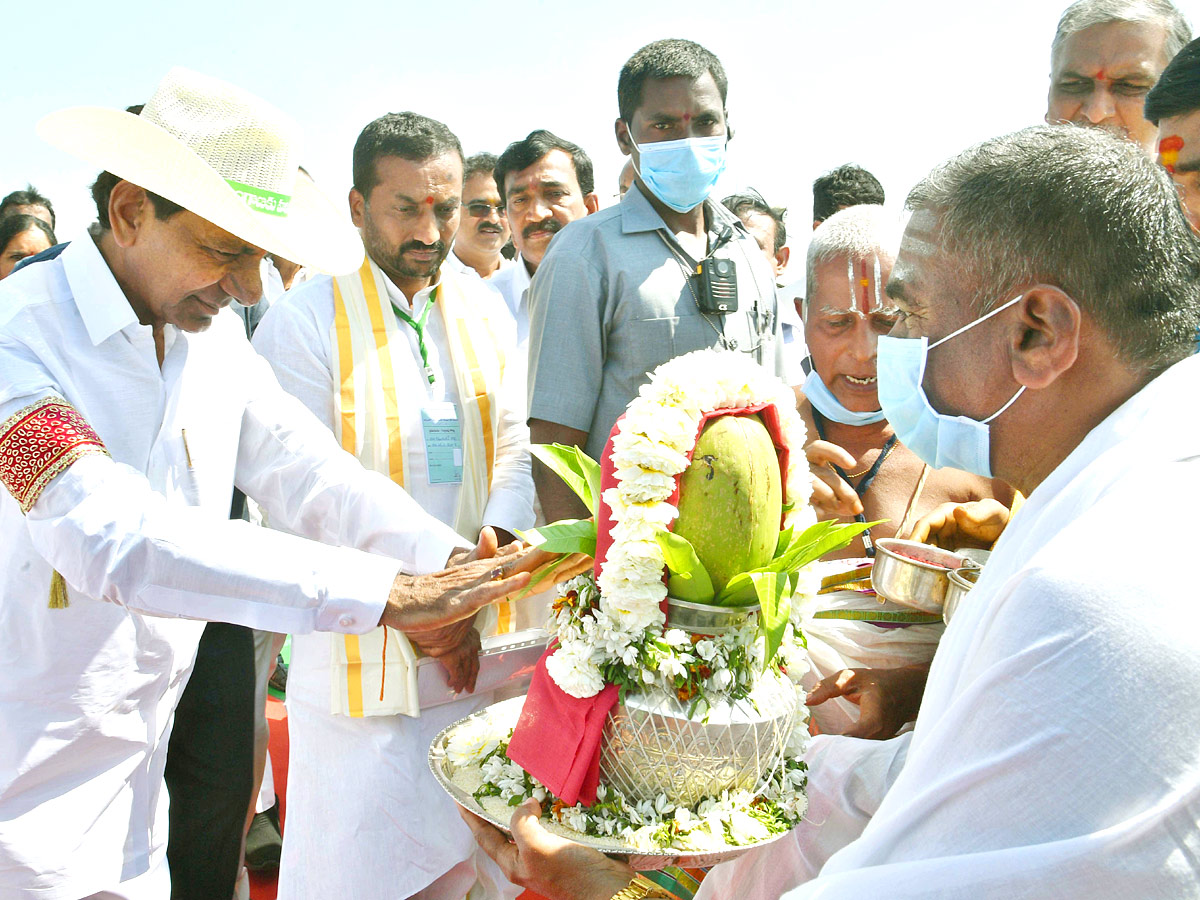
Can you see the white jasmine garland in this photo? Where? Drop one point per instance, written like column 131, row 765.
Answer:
column 619, row 635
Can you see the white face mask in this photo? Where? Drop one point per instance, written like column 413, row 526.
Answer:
column 940, row 440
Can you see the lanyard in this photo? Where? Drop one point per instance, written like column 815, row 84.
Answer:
column 864, row 484
column 418, row 325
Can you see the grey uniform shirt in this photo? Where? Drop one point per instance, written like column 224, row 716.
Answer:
column 611, row 302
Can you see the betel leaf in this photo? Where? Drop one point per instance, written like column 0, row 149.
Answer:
column 577, row 470
column 775, row 605
column 687, row 579
column 566, row 536
column 539, row 576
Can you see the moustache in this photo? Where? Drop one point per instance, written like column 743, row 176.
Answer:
column 437, row 247
column 551, row 225
column 489, row 228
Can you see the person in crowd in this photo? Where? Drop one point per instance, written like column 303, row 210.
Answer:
column 766, row 224
column 616, row 295
column 866, row 474
column 847, row 185
column 22, row 236
column 1105, row 57
column 29, row 202
column 1053, row 265
column 1173, row 106
column 484, row 227
column 545, row 183
column 426, row 409
column 129, row 407
column 625, row 179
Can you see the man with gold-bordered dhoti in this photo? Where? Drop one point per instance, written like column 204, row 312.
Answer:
column 404, row 361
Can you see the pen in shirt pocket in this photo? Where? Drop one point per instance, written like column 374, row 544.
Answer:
column 186, row 450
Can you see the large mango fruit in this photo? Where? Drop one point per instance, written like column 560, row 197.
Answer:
column 731, row 498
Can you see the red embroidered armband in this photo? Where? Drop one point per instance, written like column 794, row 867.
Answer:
column 40, row 442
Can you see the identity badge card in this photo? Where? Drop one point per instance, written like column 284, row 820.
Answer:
column 443, row 443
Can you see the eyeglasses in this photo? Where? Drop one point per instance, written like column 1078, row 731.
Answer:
column 478, row 209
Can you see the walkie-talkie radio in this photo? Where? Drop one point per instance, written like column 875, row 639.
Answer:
column 717, row 279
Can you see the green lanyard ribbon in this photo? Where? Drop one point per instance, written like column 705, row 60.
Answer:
column 418, row 325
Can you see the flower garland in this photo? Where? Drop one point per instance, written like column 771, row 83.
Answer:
column 612, row 630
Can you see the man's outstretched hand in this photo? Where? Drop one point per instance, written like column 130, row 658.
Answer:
column 545, row 863
column 474, row 579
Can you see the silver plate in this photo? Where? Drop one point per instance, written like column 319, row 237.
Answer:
column 637, row 858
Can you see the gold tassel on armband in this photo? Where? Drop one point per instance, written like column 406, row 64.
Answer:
column 58, row 592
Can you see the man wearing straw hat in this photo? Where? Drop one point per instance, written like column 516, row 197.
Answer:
column 128, row 411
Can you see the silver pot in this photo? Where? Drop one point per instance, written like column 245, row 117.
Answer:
column 961, row 582
column 920, row 583
column 652, row 747
column 703, row 618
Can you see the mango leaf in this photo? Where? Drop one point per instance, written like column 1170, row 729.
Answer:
column 806, row 547
column 775, row 602
column 785, row 541
column 816, row 541
column 578, row 471
column 687, row 578
column 567, row 536
column 539, row 576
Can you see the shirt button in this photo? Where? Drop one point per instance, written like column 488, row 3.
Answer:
column 346, row 621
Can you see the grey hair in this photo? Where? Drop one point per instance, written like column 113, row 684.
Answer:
column 1086, row 13
column 856, row 232
column 1081, row 210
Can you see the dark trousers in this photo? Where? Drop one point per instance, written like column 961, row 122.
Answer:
column 210, row 766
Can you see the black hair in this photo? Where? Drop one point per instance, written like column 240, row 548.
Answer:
column 847, row 185
column 1178, row 88
column 669, row 58
column 753, row 201
column 408, row 135
column 478, row 164
column 103, row 185
column 28, row 197
column 18, row 223
column 523, row 154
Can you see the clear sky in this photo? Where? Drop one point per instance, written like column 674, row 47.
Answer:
column 893, row 86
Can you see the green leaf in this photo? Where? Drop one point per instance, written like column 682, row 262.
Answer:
column 687, row 578
column 567, row 536
column 577, row 470
column 785, row 541
column 775, row 602
column 539, row 576
column 806, row 547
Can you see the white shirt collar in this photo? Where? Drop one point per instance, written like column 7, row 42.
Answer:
column 102, row 304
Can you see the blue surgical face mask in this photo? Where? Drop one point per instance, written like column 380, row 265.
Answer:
column 681, row 173
column 824, row 402
column 940, row 440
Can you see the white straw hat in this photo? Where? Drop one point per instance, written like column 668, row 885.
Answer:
column 223, row 154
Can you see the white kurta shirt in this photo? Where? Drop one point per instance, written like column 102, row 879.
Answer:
column 143, row 539
column 388, row 800
column 1057, row 751
column 512, row 281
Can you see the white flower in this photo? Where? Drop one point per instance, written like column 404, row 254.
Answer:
column 472, row 741
column 574, row 673
column 745, row 829
column 706, row 650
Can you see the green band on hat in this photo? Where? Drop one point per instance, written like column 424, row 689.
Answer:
column 262, row 201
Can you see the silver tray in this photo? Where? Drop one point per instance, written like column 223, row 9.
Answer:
column 636, row 857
